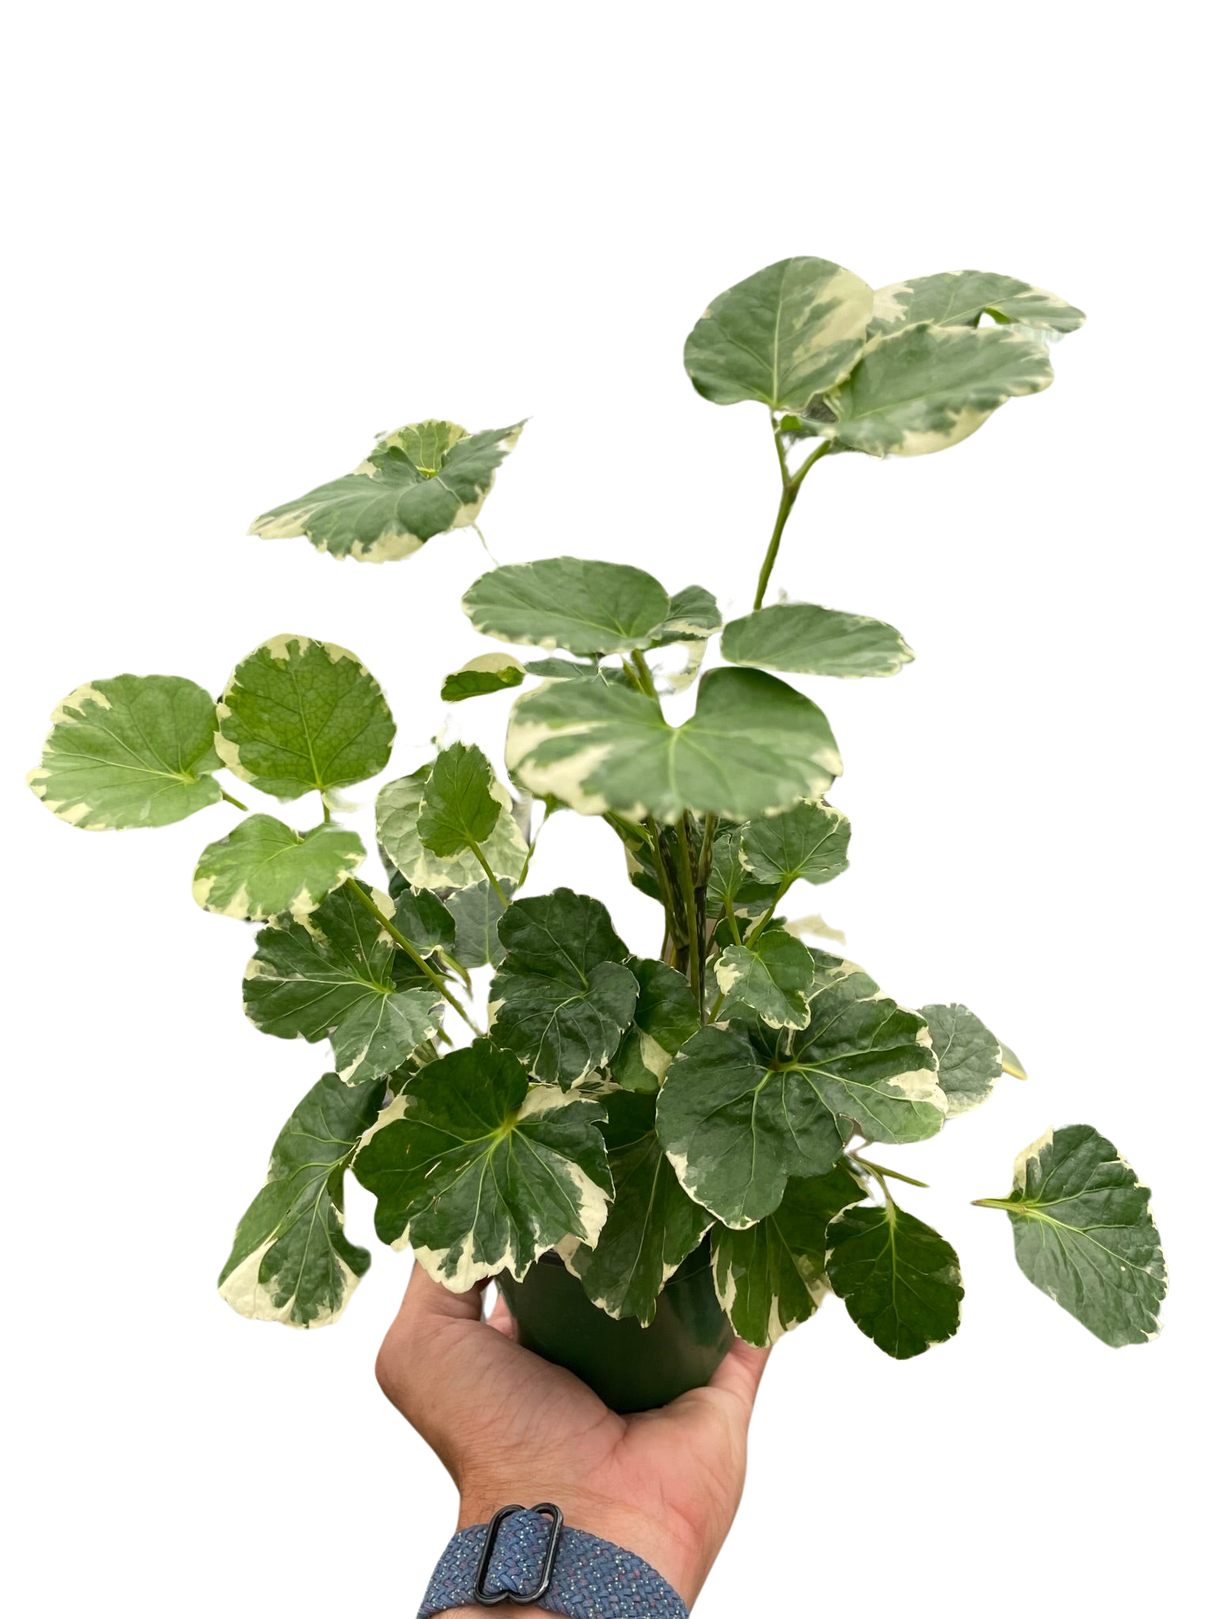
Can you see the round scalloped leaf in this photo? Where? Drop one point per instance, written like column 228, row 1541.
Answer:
column 302, row 716
column 397, row 499
column 480, row 677
column 584, row 607
column 899, row 1279
column 736, row 1129
column 925, row 388
column 772, row 1276
column 291, row 1260
column 801, row 639
column 652, row 1224
column 788, row 332
column 458, row 808
column 1085, row 1236
column 970, row 1057
column 483, row 1173
column 807, row 842
column 730, row 884
column 397, row 811
column 263, row 868
column 136, row 750
column 962, row 297
column 753, row 746
column 562, row 997
column 772, row 977
column 694, row 616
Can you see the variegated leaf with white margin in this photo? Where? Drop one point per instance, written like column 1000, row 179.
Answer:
column 419, row 481
column 694, row 616
column 801, row 639
column 652, row 1224
column 770, row 976
column 303, row 716
column 970, row 1057
column 899, row 1279
column 786, row 333
column 585, row 607
column 752, row 747
column 925, row 388
column 263, row 868
column 1085, row 1234
column 962, row 297
column 772, row 1276
column 397, row 811
column 736, row 1125
column 866, row 1058
column 291, row 1260
column 562, row 997
column 483, row 1172
column 336, row 978
column 136, row 750
column 477, row 912
column 813, row 925
column 808, row 842
column 481, row 677
column 665, row 1018
column 732, row 887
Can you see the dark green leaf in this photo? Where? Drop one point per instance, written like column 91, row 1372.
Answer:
column 477, row 911
column 899, row 1279
column 421, row 916
column 397, row 812
column 772, row 977
column 458, row 808
column 808, row 841
column 970, row 1057
column 492, row 671
column 730, row 884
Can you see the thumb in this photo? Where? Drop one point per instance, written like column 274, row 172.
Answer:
column 428, row 1303
column 739, row 1373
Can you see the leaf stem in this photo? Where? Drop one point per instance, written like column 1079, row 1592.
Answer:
column 643, row 675
column 399, row 939
column 879, row 1169
column 228, row 799
column 767, row 915
column 488, row 871
column 732, row 919
column 535, row 838
column 486, row 548
column 791, row 488
column 688, row 888
column 324, row 806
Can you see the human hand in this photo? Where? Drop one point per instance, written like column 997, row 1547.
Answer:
column 509, row 1426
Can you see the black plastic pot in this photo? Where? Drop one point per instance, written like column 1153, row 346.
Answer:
column 630, row 1367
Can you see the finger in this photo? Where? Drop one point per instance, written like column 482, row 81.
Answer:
column 427, row 1303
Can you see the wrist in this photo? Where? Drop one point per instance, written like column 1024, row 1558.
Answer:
column 665, row 1547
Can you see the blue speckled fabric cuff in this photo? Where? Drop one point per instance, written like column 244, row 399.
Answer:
column 591, row 1578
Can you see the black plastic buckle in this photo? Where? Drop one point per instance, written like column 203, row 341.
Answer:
column 490, row 1599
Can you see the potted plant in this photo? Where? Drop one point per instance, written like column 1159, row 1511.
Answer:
column 653, row 1152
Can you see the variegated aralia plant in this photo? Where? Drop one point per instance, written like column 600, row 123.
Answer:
column 618, row 1108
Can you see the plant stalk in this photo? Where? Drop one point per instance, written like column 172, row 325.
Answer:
column 788, row 495
column 399, row 939
column 235, row 802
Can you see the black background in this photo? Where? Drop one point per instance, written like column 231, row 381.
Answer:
column 220, row 376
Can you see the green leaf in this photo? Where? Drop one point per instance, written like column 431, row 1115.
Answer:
column 730, row 883
column 380, row 1033
column 970, row 1057
column 291, row 1260
column 397, row 499
column 397, row 810
column 665, row 1018
column 1085, row 1236
column 458, row 807
column 694, row 616
column 866, row 1058
column 806, row 640
column 263, row 868
column 132, row 751
column 735, row 1128
column 772, row 977
column 492, row 671
column 961, row 297
column 808, row 841
column 584, row 607
column 477, row 911
column 781, row 336
column 562, row 997
column 652, row 1225
column 482, row 1173
column 928, row 387
column 752, row 746
column 899, row 1279
column 302, row 716
column 772, row 1276
column 303, row 979
column 421, row 916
